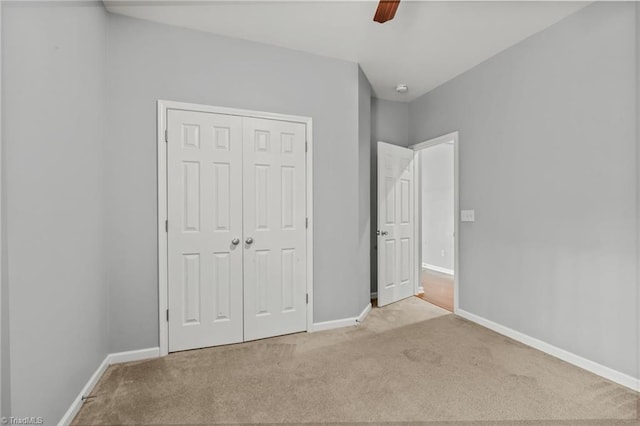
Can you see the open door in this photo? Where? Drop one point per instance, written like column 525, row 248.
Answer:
column 395, row 223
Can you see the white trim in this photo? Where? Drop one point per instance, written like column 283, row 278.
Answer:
column 417, row 220
column 309, row 175
column 330, row 325
column 364, row 314
column 163, row 259
column 420, row 290
column 591, row 366
column 437, row 269
column 139, row 355
column 162, row 108
column 448, row 138
column 340, row 323
column 86, row 390
column 110, row 359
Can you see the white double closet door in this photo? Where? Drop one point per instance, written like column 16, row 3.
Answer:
column 236, row 228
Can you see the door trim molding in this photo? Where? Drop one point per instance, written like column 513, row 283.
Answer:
column 449, row 137
column 163, row 286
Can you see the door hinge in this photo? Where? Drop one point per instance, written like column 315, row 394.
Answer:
column 167, row 315
column 306, row 146
column 166, row 226
column 307, row 298
column 306, row 222
column 166, row 136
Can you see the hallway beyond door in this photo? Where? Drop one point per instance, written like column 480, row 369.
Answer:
column 438, row 288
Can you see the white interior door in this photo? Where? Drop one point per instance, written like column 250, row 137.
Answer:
column 204, row 195
column 274, row 228
column 395, row 223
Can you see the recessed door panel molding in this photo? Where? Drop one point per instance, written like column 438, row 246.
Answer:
column 405, row 261
column 288, row 279
column 286, row 143
column 190, row 136
column 262, row 140
column 221, row 135
column 274, row 218
column 222, row 275
column 236, row 260
column 390, row 265
column 222, row 196
column 191, row 195
column 262, row 178
column 395, row 223
column 288, row 214
column 261, row 283
column 405, row 199
column 191, row 283
column 389, row 201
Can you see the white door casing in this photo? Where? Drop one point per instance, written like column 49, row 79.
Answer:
column 205, row 216
column 274, row 220
column 448, row 138
column 396, row 200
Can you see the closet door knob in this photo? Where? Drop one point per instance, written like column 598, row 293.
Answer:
column 235, row 241
column 249, row 241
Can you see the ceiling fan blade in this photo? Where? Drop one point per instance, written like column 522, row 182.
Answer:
column 386, row 10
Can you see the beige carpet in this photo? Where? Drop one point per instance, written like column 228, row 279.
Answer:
column 408, row 362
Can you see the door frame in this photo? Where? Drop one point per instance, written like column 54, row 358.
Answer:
column 449, row 137
column 163, row 285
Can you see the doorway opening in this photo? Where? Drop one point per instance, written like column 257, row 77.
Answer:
column 436, row 221
column 406, row 242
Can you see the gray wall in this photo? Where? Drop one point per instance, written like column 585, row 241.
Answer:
column 364, row 176
column 148, row 61
column 548, row 162
column 389, row 123
column 84, row 205
column 638, row 184
column 436, row 167
column 53, row 136
column 5, row 364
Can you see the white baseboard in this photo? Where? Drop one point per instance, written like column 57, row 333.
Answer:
column 364, row 314
column 438, row 269
column 86, row 390
column 420, row 290
column 374, row 295
column 114, row 358
column 345, row 322
column 591, row 366
column 139, row 355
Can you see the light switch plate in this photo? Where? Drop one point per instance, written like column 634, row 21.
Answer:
column 468, row 215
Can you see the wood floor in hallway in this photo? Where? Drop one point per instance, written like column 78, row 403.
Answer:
column 438, row 288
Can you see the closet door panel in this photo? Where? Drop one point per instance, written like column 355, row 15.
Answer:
column 204, row 196
column 274, row 218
